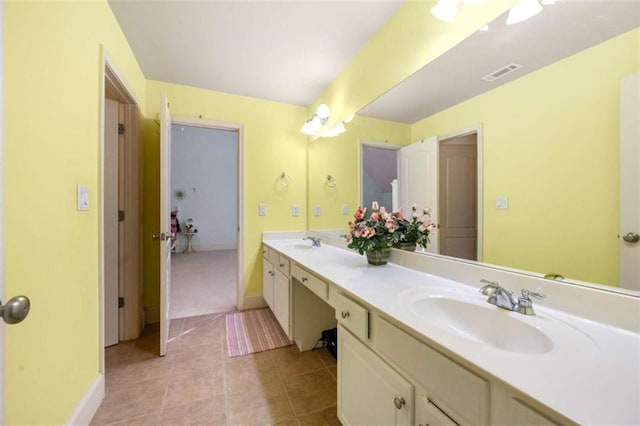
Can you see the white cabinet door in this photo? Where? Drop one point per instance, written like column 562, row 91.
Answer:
column 370, row 392
column 281, row 300
column 267, row 282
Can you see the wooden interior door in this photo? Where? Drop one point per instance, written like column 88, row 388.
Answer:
column 458, row 181
column 630, row 182
column 418, row 181
column 165, row 236
column 111, row 232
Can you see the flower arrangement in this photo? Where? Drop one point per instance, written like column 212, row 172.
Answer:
column 371, row 231
column 380, row 230
column 416, row 229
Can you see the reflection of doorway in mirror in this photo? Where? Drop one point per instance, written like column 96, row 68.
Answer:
column 630, row 182
column 445, row 174
column 458, row 203
column 379, row 168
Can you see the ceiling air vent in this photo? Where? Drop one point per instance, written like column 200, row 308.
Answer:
column 502, row 72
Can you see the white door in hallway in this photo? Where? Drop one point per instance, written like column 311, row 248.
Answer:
column 165, row 236
column 630, row 182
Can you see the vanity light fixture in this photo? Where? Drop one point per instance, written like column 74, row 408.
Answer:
column 445, row 10
column 337, row 130
column 523, row 10
column 319, row 119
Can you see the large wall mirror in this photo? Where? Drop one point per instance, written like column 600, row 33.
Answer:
column 548, row 118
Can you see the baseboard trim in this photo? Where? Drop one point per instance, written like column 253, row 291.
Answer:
column 152, row 314
column 89, row 404
column 254, row 301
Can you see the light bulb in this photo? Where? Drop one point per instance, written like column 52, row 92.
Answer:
column 523, row 10
column 445, row 10
column 322, row 111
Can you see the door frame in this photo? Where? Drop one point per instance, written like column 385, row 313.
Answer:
column 111, row 78
column 477, row 129
column 239, row 128
column 2, row 204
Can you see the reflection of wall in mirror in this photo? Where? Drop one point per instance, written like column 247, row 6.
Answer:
column 337, row 157
column 551, row 146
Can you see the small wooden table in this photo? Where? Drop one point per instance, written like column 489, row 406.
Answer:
column 189, row 248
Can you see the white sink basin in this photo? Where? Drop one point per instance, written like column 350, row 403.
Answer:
column 488, row 325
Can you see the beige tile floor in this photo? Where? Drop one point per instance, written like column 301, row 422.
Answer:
column 197, row 383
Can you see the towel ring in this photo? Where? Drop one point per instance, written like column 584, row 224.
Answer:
column 283, row 180
column 330, row 182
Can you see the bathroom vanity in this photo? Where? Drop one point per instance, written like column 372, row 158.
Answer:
column 418, row 344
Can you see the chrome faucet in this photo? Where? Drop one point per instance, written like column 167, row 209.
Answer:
column 503, row 298
column 315, row 242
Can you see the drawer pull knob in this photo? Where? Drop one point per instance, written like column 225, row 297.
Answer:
column 282, row 265
column 304, row 279
column 344, row 314
column 399, row 402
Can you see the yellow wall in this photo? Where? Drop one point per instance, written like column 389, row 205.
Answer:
column 339, row 157
column 551, row 145
column 52, row 108
column 408, row 41
column 273, row 144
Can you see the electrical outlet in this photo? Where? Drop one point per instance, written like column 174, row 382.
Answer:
column 345, row 209
column 262, row 209
column 82, row 197
column 502, row 203
column 317, row 211
column 295, row 210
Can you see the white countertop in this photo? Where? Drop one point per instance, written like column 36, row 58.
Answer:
column 591, row 376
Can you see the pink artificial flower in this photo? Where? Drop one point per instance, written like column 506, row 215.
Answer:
column 359, row 213
column 414, row 207
column 375, row 206
column 427, row 211
column 375, row 217
column 383, row 213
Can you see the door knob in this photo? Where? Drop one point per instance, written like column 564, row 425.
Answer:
column 164, row 237
column 15, row 310
column 631, row 237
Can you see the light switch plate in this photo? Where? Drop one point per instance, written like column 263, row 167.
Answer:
column 317, row 211
column 502, row 203
column 82, row 197
column 345, row 209
column 295, row 210
column 262, row 209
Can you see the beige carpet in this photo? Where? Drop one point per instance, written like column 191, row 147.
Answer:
column 203, row 283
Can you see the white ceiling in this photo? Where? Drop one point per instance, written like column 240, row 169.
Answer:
column 286, row 51
column 290, row 50
column 560, row 30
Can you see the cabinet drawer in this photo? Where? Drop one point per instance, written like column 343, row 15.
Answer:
column 283, row 265
column 274, row 257
column 353, row 316
column 310, row 281
column 463, row 395
column 265, row 252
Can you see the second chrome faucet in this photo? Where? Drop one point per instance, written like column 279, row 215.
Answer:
column 503, row 298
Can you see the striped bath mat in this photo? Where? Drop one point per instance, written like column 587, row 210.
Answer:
column 254, row 331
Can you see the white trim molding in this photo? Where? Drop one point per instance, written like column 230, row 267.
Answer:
column 89, row 404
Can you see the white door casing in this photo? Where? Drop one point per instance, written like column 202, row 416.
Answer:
column 418, row 181
column 629, row 181
column 2, row 204
column 111, row 268
column 165, row 236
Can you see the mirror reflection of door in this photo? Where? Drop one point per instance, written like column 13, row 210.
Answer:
column 457, row 186
column 379, row 170
column 443, row 176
